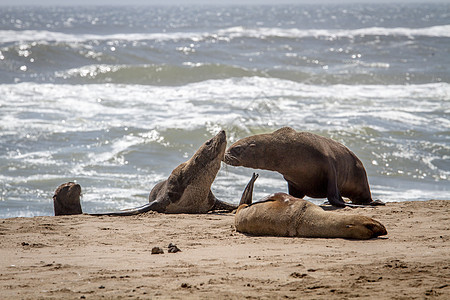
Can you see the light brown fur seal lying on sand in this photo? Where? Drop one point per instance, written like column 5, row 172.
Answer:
column 187, row 190
column 281, row 214
column 312, row 165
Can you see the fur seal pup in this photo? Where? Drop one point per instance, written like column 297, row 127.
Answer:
column 281, row 214
column 188, row 188
column 66, row 200
column 312, row 165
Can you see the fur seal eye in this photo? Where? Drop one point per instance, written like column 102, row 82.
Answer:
column 236, row 150
column 208, row 142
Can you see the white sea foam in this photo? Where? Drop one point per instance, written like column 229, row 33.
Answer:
column 8, row 36
column 99, row 106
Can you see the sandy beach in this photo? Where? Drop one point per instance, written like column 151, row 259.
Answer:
column 86, row 257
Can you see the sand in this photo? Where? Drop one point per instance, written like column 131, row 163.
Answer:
column 86, row 257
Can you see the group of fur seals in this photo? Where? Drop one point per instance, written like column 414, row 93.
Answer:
column 187, row 190
column 281, row 214
column 312, row 165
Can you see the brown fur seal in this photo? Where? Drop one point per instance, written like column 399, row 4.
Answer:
column 66, row 200
column 312, row 165
column 281, row 214
column 188, row 188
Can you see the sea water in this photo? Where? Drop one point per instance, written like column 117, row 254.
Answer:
column 115, row 98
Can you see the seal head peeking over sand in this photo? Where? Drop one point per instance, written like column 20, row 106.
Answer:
column 66, row 200
column 313, row 165
column 281, row 214
column 188, row 188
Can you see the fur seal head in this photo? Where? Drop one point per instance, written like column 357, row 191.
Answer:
column 66, row 200
column 260, row 151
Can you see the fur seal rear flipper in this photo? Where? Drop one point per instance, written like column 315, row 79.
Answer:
column 247, row 196
column 188, row 188
column 281, row 214
column 312, row 165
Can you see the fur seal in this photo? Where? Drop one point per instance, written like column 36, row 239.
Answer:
column 281, row 214
column 312, row 165
column 66, row 200
column 188, row 188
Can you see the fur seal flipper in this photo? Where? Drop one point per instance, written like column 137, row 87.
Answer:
column 281, row 214
column 312, row 165
column 152, row 206
column 247, row 195
column 188, row 188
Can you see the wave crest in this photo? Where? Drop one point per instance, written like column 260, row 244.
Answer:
column 8, row 36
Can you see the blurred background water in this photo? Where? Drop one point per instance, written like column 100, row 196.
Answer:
column 116, row 97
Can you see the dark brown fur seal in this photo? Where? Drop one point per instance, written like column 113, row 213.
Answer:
column 281, row 214
column 66, row 200
column 188, row 188
column 312, row 165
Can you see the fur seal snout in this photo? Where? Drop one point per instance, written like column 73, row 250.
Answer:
column 312, row 165
column 66, row 200
column 281, row 214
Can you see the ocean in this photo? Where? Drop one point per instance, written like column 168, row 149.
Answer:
column 115, row 98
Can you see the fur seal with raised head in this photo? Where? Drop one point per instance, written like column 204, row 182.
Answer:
column 312, row 165
column 66, row 200
column 188, row 188
column 281, row 214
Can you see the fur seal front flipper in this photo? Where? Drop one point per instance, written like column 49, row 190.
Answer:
column 312, row 165
column 281, row 214
column 188, row 188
